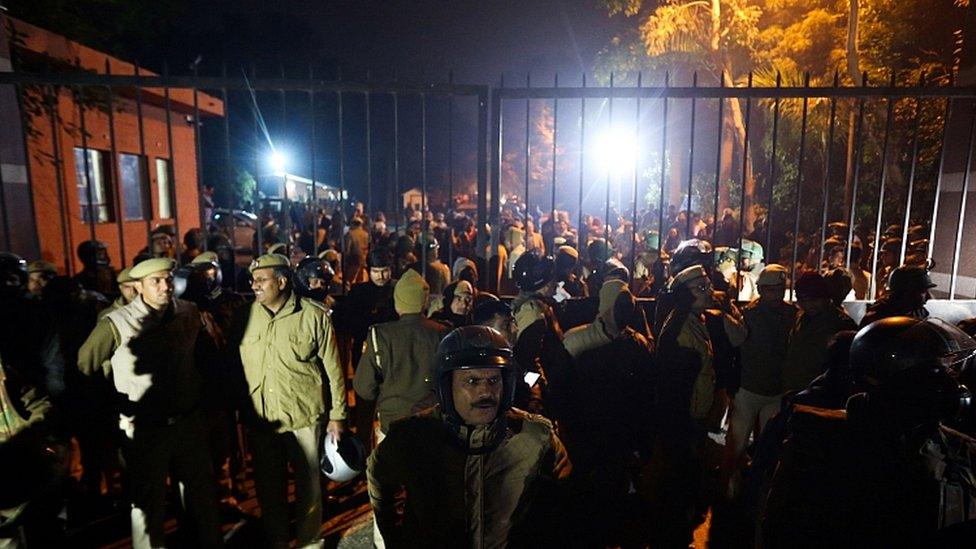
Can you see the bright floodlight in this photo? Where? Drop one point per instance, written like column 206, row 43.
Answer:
column 616, row 151
column 277, row 161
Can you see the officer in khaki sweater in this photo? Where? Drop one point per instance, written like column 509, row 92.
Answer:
column 147, row 348
column 288, row 350
column 396, row 368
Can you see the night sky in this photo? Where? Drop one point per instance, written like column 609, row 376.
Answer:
column 412, row 41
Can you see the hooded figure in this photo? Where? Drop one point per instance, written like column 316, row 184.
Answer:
column 615, row 429
column 477, row 472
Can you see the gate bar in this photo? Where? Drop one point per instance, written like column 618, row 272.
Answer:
column 87, row 162
column 962, row 207
column 664, row 163
column 889, row 121
column 174, row 207
column 691, row 158
column 911, row 175
column 827, row 171
column 742, row 198
column 113, row 173
column 772, row 176
column 858, row 157
column 799, row 183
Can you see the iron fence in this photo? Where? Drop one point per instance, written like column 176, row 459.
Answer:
column 780, row 154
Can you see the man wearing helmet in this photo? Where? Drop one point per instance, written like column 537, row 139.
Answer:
column 475, row 470
column 200, row 282
column 97, row 274
column 907, row 293
column 538, row 346
column 887, row 471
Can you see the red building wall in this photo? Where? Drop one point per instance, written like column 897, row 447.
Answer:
column 58, row 214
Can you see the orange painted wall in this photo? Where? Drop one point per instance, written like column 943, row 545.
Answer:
column 58, row 215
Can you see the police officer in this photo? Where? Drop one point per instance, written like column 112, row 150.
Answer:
column 285, row 345
column 39, row 273
column 396, row 368
column 312, row 278
column 97, row 274
column 147, row 348
column 907, row 293
column 475, row 470
column 885, row 472
column 128, row 290
column 200, row 282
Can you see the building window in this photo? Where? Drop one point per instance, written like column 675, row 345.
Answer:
column 100, row 207
column 162, row 188
column 133, row 176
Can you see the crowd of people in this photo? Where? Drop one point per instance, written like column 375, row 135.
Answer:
column 590, row 386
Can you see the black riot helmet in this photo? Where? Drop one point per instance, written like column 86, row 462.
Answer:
column 313, row 267
column 13, row 271
column 472, row 348
column 93, row 253
column 532, row 272
column 690, row 252
column 914, row 362
column 192, row 282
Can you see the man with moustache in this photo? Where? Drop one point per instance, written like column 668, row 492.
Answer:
column 476, row 471
column 288, row 350
column 148, row 349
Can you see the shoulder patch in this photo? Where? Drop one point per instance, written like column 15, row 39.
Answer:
column 535, row 420
column 314, row 304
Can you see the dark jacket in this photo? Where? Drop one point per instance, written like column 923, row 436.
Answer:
column 845, row 482
column 764, row 350
column 806, row 355
column 476, row 487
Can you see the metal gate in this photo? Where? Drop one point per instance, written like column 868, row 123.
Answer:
column 816, row 162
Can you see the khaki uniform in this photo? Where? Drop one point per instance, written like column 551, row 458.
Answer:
column 397, row 368
column 284, row 356
column 476, row 491
column 149, row 356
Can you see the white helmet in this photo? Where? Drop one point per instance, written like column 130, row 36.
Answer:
column 344, row 460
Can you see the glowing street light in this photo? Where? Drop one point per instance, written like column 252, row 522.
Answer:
column 278, row 162
column 616, row 152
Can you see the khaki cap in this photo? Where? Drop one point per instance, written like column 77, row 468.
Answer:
column 41, row 266
column 772, row 275
column 206, row 257
column 150, row 266
column 269, row 260
column 410, row 293
column 276, row 248
column 124, row 276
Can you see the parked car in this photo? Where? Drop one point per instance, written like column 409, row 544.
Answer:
column 239, row 226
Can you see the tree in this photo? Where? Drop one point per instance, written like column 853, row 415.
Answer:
column 731, row 39
column 244, row 188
